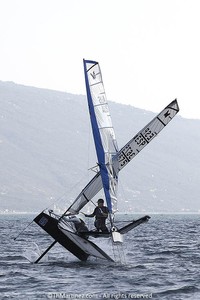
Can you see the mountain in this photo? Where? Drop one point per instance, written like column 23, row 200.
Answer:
column 46, row 147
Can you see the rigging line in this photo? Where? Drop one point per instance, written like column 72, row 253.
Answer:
column 89, row 200
column 122, row 188
column 66, row 192
column 23, row 230
column 85, row 197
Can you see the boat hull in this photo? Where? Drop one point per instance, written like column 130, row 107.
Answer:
column 77, row 245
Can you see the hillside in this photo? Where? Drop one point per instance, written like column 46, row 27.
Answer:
column 46, row 148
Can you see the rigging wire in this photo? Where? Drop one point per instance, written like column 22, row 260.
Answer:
column 67, row 192
column 23, row 230
column 86, row 174
column 56, row 201
column 122, row 189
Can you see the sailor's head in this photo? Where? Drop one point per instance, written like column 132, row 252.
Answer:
column 100, row 202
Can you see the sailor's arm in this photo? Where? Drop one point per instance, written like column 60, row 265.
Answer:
column 90, row 215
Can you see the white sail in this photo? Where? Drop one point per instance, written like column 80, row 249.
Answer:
column 146, row 135
column 89, row 191
column 127, row 153
column 103, row 132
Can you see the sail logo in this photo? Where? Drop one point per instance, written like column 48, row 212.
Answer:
column 93, row 74
column 43, row 221
column 167, row 114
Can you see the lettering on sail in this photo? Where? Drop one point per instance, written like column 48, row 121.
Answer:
column 135, row 146
column 104, row 105
column 93, row 74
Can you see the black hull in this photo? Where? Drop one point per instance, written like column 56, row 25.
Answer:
column 50, row 225
column 79, row 246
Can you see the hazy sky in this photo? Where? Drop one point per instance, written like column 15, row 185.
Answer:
column 148, row 50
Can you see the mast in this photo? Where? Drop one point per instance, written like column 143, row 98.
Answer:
column 103, row 132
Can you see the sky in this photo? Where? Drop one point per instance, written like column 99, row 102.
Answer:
column 148, row 50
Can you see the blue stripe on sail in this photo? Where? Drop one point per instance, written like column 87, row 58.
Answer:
column 97, row 140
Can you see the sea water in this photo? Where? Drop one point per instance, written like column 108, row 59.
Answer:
column 162, row 261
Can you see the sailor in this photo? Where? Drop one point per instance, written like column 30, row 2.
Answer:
column 100, row 213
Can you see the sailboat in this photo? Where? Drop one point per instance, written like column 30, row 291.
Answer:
column 111, row 160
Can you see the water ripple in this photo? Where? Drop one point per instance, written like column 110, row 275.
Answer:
column 162, row 261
